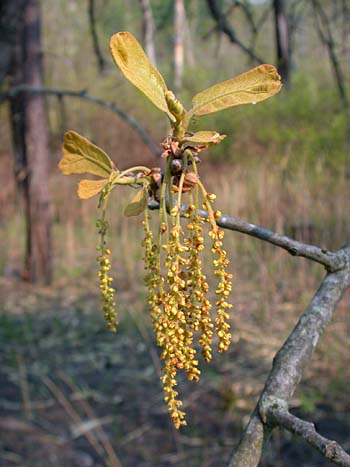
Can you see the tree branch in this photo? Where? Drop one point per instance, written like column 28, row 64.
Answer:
column 96, row 45
column 330, row 260
column 83, row 95
column 290, row 363
column 279, row 415
column 247, row 11
column 224, row 26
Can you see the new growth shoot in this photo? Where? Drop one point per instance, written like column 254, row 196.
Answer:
column 178, row 290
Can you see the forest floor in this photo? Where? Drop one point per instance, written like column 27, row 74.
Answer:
column 73, row 394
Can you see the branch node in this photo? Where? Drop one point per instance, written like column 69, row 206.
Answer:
column 270, row 405
column 293, row 251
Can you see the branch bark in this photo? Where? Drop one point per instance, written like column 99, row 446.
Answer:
column 289, row 365
column 279, row 415
column 330, row 260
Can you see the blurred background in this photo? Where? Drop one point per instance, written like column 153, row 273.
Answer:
column 73, row 394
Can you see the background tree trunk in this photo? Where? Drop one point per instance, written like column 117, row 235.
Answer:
column 179, row 30
column 282, row 40
column 39, row 255
column 148, row 30
column 31, row 142
column 323, row 26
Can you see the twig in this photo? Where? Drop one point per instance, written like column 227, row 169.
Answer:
column 92, row 21
column 332, row 261
column 279, row 415
column 225, row 27
column 83, row 95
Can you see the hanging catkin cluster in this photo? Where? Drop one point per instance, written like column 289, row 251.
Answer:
column 182, row 314
column 178, row 288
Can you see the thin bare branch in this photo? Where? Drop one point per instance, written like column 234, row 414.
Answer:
column 83, row 95
column 330, row 260
column 279, row 415
column 96, row 45
column 224, row 26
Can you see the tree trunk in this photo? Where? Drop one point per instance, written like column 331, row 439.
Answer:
column 31, row 141
column 325, row 33
column 148, row 30
column 179, row 24
column 282, row 40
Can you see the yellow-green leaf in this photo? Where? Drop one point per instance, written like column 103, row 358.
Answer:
column 89, row 188
column 253, row 86
column 202, row 138
column 137, row 205
column 81, row 156
column 130, row 57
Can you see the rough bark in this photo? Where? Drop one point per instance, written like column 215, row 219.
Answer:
column 30, row 136
column 37, row 147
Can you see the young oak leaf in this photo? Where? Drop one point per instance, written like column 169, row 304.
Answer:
column 137, row 205
column 253, row 86
column 202, row 138
column 81, row 156
column 132, row 61
column 89, row 188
